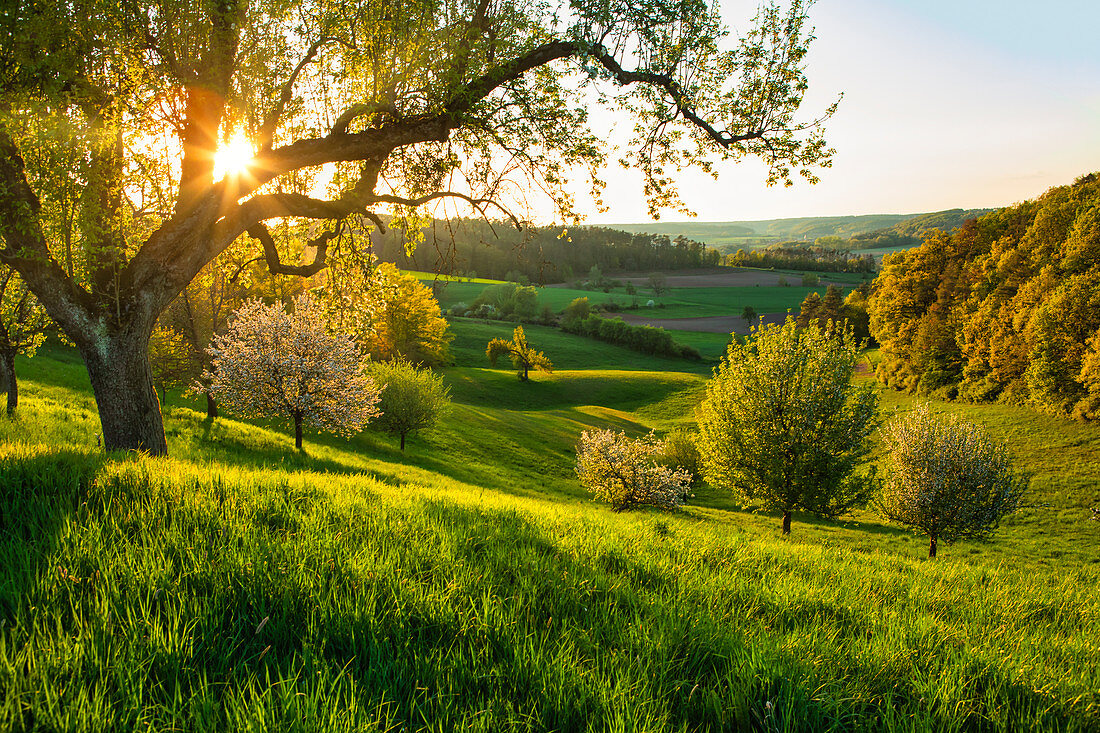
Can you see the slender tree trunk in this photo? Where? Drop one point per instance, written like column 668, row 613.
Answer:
column 8, row 382
column 786, row 523
column 932, row 546
column 122, row 381
column 402, row 442
column 211, row 407
column 298, row 430
column 524, row 377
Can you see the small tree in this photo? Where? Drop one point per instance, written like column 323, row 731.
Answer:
column 783, row 423
column 271, row 363
column 658, row 283
column 524, row 358
column 412, row 399
column 946, row 478
column 23, row 326
column 633, row 293
column 577, row 310
column 750, row 316
column 624, row 472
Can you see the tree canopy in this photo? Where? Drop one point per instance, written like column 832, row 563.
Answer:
column 115, row 190
column 1006, row 308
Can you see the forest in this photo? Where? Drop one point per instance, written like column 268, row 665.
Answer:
column 498, row 250
column 1006, row 308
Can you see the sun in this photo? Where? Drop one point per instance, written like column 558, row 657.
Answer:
column 232, row 157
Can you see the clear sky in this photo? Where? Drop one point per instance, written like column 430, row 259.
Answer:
column 964, row 103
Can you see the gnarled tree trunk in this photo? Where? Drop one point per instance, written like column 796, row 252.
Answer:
column 122, row 381
column 211, row 407
column 8, row 382
column 786, row 523
column 932, row 546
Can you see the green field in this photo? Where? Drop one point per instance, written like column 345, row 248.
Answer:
column 677, row 303
column 472, row 583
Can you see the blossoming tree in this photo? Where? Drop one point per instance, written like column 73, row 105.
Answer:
column 624, row 471
column 272, row 363
column 946, row 478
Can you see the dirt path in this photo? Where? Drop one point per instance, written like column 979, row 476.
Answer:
column 707, row 324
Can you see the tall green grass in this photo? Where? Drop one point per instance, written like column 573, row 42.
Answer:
column 472, row 584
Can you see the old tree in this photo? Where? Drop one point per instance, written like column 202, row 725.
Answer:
column 112, row 115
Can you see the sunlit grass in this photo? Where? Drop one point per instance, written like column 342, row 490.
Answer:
column 472, row 584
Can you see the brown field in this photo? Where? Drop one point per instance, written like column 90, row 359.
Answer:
column 707, row 324
column 711, row 277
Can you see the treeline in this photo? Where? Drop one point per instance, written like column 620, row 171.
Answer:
column 822, row 259
column 1006, row 308
column 646, row 339
column 497, row 250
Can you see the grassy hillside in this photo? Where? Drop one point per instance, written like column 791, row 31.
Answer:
column 472, row 584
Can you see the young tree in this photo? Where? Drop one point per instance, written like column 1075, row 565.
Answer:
column 624, row 472
column 658, row 283
column 23, row 326
column 524, row 358
column 783, row 422
column 412, row 399
column 270, row 363
column 122, row 113
column 750, row 316
column 946, row 478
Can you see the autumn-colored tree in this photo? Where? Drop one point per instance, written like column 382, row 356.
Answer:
column 271, row 363
column 412, row 399
column 406, row 322
column 625, row 471
column 23, row 326
column 1003, row 308
column 117, row 121
column 783, row 423
column 946, row 478
column 524, row 358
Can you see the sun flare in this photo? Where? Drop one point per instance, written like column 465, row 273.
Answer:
column 232, row 157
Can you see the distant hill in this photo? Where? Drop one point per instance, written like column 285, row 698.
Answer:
column 767, row 231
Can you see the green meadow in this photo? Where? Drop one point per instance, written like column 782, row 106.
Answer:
column 676, row 303
column 471, row 583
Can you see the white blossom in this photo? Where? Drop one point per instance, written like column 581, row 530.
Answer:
column 272, row 363
column 623, row 471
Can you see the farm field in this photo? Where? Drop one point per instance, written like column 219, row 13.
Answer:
column 679, row 302
column 471, row 583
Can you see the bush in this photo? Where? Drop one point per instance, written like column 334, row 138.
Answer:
column 946, row 478
column 623, row 471
column 646, row 339
column 681, row 453
column 809, row 280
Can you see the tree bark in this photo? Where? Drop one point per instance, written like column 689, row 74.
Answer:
column 211, row 407
column 122, row 381
column 298, row 430
column 932, row 546
column 8, row 382
column 402, row 442
column 786, row 523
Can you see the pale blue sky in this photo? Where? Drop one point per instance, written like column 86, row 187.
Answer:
column 969, row 103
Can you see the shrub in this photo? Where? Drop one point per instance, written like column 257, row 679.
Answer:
column 783, row 423
column 946, row 478
column 624, row 472
column 809, row 280
column 680, row 452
